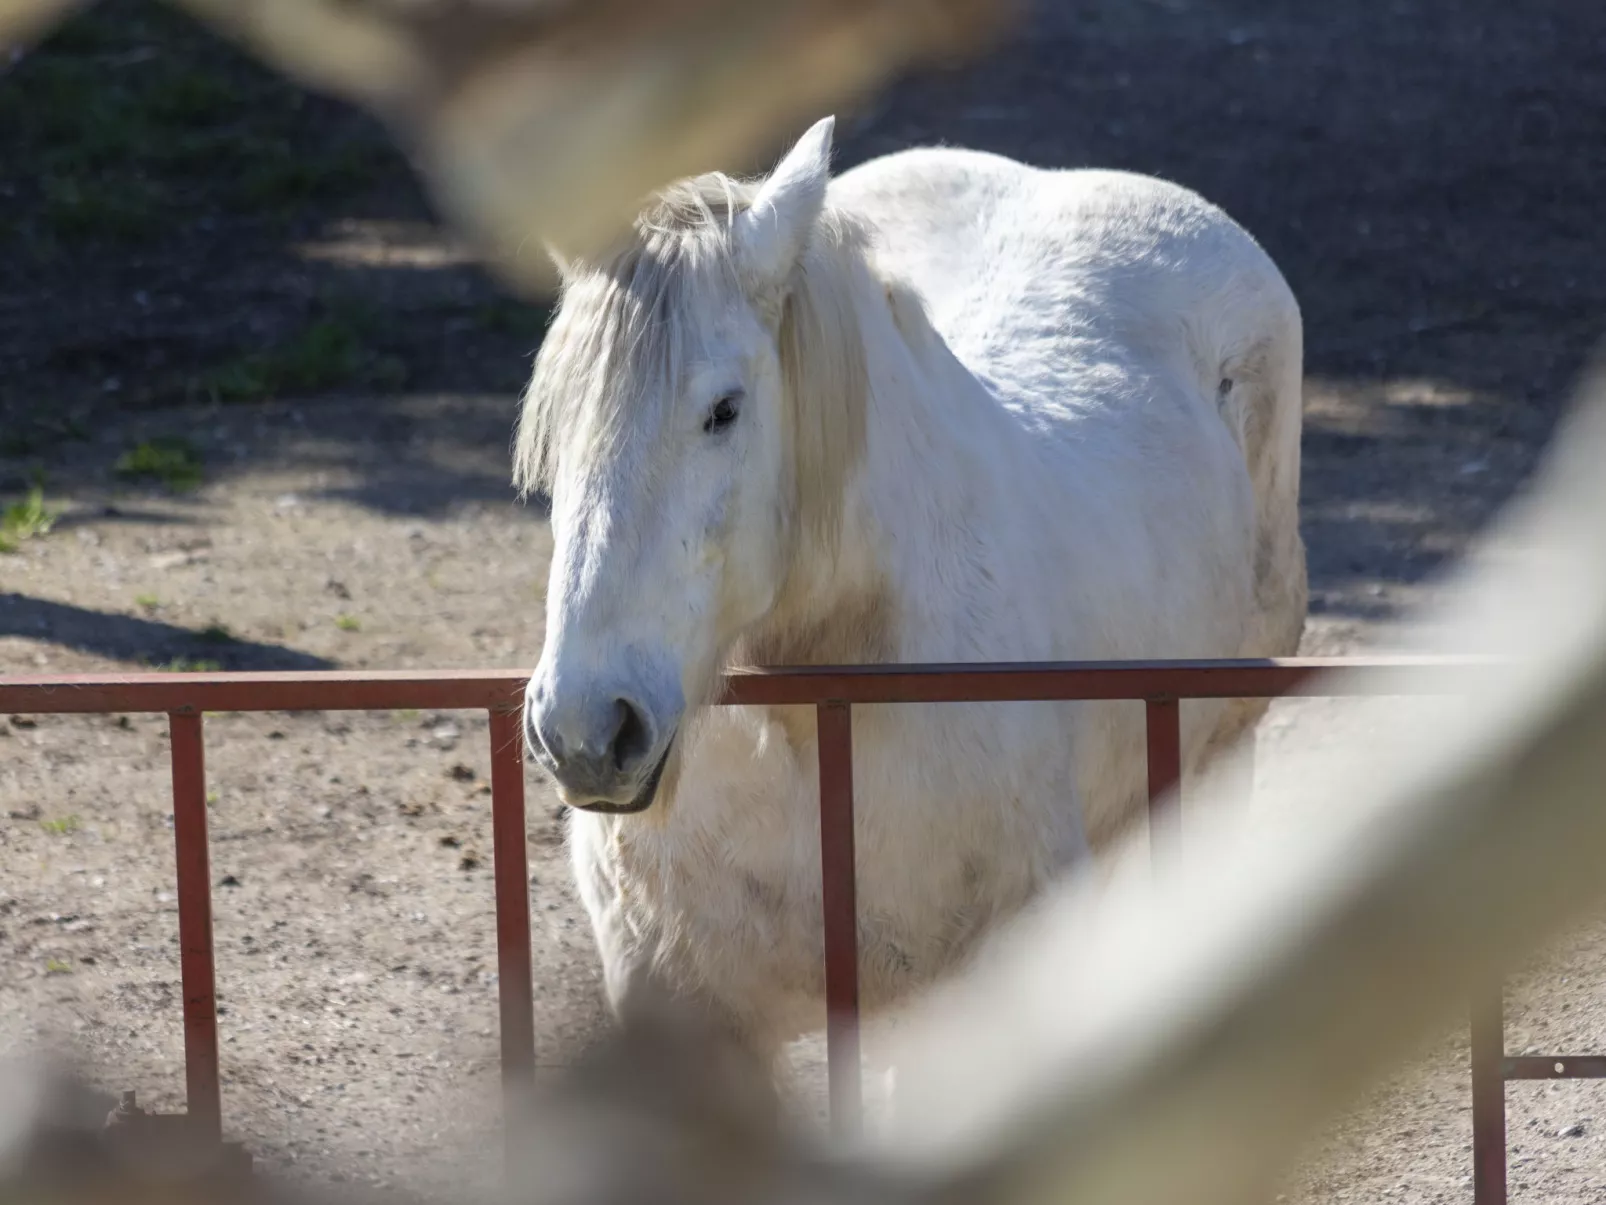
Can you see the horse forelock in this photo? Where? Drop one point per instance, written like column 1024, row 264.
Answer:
column 632, row 317
column 625, row 318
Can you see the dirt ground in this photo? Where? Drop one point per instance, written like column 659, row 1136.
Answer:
column 268, row 403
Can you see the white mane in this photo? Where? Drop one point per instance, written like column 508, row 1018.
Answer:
column 634, row 318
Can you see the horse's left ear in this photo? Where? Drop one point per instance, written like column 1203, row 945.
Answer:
column 770, row 236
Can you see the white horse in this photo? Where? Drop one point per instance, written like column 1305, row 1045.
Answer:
column 946, row 407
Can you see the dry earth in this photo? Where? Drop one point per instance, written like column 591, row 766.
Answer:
column 1426, row 172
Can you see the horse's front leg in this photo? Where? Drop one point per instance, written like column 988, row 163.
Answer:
column 739, row 1063
column 645, row 993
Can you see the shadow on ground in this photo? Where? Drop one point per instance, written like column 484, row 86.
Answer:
column 159, row 645
column 1426, row 172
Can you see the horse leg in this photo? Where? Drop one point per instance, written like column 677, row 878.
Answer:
column 742, row 1059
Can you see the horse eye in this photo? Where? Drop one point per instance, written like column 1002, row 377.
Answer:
column 723, row 414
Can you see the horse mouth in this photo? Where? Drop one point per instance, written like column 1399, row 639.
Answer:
column 644, row 797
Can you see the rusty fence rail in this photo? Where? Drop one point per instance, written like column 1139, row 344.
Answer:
column 833, row 692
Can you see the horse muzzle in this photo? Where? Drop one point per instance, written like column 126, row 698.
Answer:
column 604, row 757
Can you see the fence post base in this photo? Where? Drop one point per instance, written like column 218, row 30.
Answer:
column 839, row 892
column 1489, row 1098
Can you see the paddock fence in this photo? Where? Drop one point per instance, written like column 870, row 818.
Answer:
column 833, row 691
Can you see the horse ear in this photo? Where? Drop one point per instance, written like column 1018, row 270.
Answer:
column 772, row 233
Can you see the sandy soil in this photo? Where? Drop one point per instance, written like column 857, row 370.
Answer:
column 1426, row 174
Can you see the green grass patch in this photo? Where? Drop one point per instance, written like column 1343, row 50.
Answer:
column 187, row 665
column 507, row 316
column 26, row 519
column 61, row 827
column 170, row 459
column 55, row 966
column 147, row 602
column 282, row 175
column 348, row 623
column 133, row 120
column 77, row 208
column 217, row 633
column 330, row 353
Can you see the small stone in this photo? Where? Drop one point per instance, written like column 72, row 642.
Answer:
column 1576, row 1130
column 451, row 842
column 461, row 773
column 24, row 721
column 228, row 880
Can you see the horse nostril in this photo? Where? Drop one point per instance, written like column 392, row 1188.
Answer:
column 631, row 740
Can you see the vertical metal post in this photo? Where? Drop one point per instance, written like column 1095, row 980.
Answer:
column 515, row 986
column 1163, row 722
column 1489, row 1098
column 839, row 892
column 201, row 1079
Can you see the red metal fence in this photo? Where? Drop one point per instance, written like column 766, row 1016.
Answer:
column 833, row 692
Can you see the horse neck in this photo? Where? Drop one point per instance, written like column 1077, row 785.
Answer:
column 932, row 436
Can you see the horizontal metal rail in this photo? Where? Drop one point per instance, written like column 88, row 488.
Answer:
column 833, row 691
column 448, row 690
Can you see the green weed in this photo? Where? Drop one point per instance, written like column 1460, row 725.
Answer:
column 327, row 354
column 169, row 459
column 26, row 519
column 132, row 120
column 88, row 208
column 61, row 827
column 505, row 316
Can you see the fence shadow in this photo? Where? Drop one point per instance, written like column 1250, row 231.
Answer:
column 130, row 638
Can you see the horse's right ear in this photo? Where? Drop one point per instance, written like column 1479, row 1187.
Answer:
column 771, row 234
